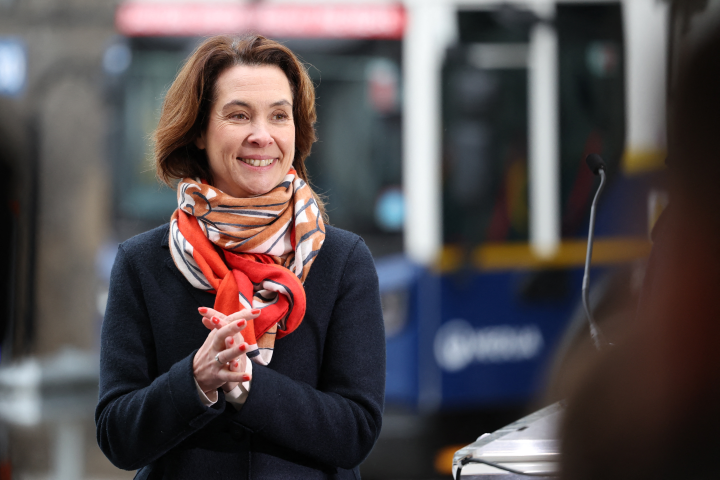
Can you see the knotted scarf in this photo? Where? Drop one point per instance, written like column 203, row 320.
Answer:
column 253, row 253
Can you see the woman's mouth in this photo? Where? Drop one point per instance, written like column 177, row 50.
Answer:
column 257, row 163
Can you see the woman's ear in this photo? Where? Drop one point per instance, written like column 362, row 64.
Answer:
column 200, row 141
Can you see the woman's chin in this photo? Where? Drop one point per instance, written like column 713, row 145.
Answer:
column 257, row 189
column 260, row 183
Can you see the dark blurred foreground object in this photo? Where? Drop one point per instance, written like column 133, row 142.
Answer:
column 18, row 215
column 649, row 408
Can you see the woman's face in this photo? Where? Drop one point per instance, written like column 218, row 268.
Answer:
column 250, row 135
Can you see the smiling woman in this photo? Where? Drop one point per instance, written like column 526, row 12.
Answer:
column 233, row 334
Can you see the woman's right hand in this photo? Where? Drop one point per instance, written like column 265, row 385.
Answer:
column 214, row 364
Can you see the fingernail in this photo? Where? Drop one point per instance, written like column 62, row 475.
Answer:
column 243, row 347
column 241, row 323
column 246, row 378
column 215, row 320
column 202, row 310
column 236, row 364
column 255, row 311
column 232, row 340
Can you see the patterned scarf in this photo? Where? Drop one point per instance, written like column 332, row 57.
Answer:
column 251, row 252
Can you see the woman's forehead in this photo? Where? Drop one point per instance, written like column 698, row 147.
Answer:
column 259, row 85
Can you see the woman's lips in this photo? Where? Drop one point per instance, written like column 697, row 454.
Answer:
column 257, row 162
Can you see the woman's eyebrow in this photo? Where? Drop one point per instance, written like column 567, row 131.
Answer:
column 240, row 103
column 236, row 103
column 280, row 103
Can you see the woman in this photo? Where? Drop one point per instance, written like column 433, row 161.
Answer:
column 192, row 384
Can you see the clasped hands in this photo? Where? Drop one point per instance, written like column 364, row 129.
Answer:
column 220, row 361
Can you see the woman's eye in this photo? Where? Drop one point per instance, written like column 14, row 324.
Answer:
column 280, row 116
column 239, row 116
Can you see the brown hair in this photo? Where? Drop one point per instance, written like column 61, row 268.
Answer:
column 187, row 104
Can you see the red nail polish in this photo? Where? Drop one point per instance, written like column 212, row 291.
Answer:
column 243, row 347
column 241, row 323
column 256, row 311
column 246, row 378
column 237, row 364
column 202, row 310
column 232, row 340
column 215, row 320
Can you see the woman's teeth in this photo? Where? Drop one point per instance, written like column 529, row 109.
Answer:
column 258, row 163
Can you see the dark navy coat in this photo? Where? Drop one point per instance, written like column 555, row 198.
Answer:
column 314, row 413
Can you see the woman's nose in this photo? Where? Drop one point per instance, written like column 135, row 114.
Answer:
column 260, row 135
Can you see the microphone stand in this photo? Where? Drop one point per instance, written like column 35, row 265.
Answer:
column 595, row 333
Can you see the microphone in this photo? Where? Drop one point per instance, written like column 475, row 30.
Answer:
column 597, row 166
column 595, row 162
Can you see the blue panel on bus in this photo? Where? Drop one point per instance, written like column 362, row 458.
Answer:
column 493, row 344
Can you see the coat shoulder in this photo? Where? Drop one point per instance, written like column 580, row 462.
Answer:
column 339, row 241
column 150, row 240
column 341, row 250
column 148, row 250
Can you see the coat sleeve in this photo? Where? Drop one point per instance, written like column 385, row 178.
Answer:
column 337, row 423
column 141, row 415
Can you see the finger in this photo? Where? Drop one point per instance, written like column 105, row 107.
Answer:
column 211, row 312
column 229, row 355
column 234, row 366
column 246, row 314
column 210, row 324
column 231, row 329
column 237, row 366
column 214, row 322
column 232, row 340
column 212, row 319
column 228, row 376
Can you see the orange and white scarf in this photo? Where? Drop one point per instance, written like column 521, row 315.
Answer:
column 253, row 253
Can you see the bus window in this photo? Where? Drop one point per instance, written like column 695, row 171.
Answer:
column 485, row 133
column 592, row 103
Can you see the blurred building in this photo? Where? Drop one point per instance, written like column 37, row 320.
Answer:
column 58, row 114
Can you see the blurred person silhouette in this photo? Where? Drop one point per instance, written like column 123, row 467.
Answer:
column 244, row 339
column 648, row 409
